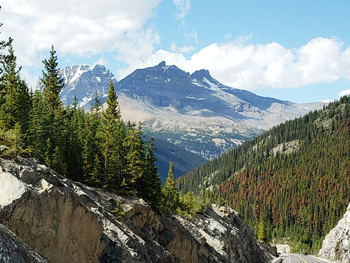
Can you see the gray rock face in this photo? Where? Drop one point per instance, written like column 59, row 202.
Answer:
column 14, row 250
column 336, row 245
column 70, row 222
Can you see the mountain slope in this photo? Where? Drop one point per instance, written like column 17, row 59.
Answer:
column 192, row 111
column 197, row 108
column 184, row 161
column 295, row 176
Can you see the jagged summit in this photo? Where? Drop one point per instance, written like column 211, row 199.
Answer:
column 161, row 64
column 83, row 81
column 202, row 73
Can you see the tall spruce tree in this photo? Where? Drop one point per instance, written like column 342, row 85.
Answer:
column 37, row 132
column 112, row 136
column 3, row 45
column 16, row 99
column 170, row 198
column 52, row 81
column 134, row 159
column 150, row 185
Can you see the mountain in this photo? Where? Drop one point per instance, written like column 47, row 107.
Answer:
column 196, row 112
column 192, row 111
column 65, row 221
column 292, row 182
column 83, row 81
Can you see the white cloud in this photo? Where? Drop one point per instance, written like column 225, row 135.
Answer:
column 79, row 27
column 101, row 61
column 252, row 67
column 228, row 36
column 183, row 6
column 327, row 101
column 182, row 25
column 193, row 34
column 344, row 92
column 184, row 49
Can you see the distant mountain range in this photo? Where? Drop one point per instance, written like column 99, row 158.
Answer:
column 192, row 111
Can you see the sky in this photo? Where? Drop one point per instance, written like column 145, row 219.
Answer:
column 290, row 50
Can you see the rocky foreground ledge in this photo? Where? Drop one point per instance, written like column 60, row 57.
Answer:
column 48, row 218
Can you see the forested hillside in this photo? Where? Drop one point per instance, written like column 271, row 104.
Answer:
column 291, row 182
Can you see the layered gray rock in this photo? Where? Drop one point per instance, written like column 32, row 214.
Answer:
column 14, row 250
column 336, row 245
column 66, row 221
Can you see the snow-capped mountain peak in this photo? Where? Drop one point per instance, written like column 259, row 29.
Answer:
column 83, row 81
column 193, row 111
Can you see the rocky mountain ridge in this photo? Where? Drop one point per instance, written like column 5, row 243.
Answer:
column 83, row 81
column 66, row 221
column 193, row 111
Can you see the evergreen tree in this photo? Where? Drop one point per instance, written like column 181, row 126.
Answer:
column 15, row 98
column 95, row 106
column 150, row 185
column 91, row 151
column 134, row 159
column 262, row 228
column 52, row 82
column 3, row 45
column 36, row 135
column 112, row 136
column 170, row 198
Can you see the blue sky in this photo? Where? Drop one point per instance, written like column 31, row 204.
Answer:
column 291, row 50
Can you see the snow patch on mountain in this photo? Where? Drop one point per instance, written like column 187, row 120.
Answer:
column 212, row 86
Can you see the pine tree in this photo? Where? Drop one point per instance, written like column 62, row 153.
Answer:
column 170, row 198
column 112, row 136
column 91, row 148
column 150, row 185
column 52, row 82
column 134, row 159
column 262, row 228
column 95, row 106
column 15, row 92
column 3, row 44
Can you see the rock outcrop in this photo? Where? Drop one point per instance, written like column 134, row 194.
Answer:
column 65, row 221
column 336, row 245
column 14, row 250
